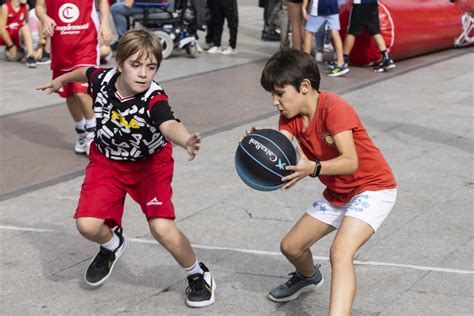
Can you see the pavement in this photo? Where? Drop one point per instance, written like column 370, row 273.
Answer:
column 420, row 262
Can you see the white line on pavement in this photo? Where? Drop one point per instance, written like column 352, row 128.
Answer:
column 271, row 253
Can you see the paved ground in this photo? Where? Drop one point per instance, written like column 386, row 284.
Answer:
column 421, row 262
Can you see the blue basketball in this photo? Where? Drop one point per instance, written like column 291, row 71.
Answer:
column 261, row 158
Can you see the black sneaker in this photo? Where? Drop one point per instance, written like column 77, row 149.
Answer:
column 30, row 62
column 331, row 64
column 45, row 59
column 101, row 266
column 295, row 286
column 384, row 65
column 270, row 36
column 200, row 291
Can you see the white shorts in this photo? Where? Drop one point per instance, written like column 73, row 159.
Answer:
column 315, row 22
column 371, row 207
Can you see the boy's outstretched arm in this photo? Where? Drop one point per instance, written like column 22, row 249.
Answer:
column 178, row 134
column 78, row 75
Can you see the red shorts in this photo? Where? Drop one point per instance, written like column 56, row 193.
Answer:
column 107, row 182
column 70, row 88
column 15, row 37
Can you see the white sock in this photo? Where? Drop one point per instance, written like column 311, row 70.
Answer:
column 90, row 123
column 194, row 269
column 113, row 243
column 81, row 125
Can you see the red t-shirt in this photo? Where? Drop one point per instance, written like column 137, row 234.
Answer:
column 335, row 115
column 75, row 42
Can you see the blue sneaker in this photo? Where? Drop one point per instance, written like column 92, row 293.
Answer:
column 295, row 286
column 339, row 71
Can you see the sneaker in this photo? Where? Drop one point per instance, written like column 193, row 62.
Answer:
column 319, row 56
column 384, row 65
column 208, row 45
column 295, row 286
column 339, row 71
column 229, row 51
column 45, row 59
column 215, row 50
column 80, row 147
column 89, row 138
column 270, row 36
column 331, row 64
column 101, row 266
column 200, row 291
column 30, row 62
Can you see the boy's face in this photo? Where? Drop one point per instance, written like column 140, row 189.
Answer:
column 288, row 100
column 137, row 75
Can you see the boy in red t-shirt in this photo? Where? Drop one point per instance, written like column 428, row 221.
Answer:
column 15, row 32
column 333, row 145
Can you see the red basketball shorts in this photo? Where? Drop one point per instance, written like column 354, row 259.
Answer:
column 107, row 182
column 70, row 88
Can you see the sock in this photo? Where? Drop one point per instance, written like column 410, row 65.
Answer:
column 81, row 125
column 385, row 55
column 90, row 123
column 346, row 58
column 113, row 243
column 194, row 269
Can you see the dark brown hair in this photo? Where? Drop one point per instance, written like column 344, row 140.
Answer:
column 290, row 67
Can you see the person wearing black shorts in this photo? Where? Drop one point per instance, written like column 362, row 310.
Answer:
column 365, row 15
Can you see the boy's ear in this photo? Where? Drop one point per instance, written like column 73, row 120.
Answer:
column 305, row 86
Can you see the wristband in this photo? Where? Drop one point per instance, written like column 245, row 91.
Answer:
column 317, row 169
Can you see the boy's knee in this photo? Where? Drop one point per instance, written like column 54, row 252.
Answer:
column 161, row 228
column 289, row 249
column 340, row 254
column 88, row 228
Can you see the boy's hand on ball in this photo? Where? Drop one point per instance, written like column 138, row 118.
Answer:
column 193, row 145
column 249, row 131
column 304, row 168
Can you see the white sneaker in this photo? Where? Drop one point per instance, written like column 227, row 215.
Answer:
column 215, row 50
column 80, row 147
column 319, row 57
column 208, row 45
column 229, row 51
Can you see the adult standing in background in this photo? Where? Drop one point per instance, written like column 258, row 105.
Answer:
column 297, row 24
column 222, row 10
column 270, row 13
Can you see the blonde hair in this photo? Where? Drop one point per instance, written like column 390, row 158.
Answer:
column 146, row 43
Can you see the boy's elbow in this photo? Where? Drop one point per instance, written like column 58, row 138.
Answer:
column 354, row 165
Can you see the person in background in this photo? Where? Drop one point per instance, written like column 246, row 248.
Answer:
column 222, row 10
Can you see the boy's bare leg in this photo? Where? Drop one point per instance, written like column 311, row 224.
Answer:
column 337, row 42
column 352, row 234
column 167, row 234
column 75, row 109
column 296, row 244
column 27, row 39
column 308, row 41
column 348, row 43
column 94, row 229
column 379, row 42
column 85, row 103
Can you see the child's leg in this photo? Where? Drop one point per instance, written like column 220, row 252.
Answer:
column 297, row 25
column 296, row 244
column 167, row 234
column 85, row 103
column 308, row 41
column 94, row 229
column 27, row 39
column 337, row 43
column 379, row 42
column 352, row 234
column 75, row 108
column 348, row 44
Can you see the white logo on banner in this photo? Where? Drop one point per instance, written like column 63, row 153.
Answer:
column 68, row 12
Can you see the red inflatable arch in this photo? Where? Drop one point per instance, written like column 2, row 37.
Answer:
column 409, row 27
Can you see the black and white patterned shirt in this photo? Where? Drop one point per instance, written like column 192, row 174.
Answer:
column 127, row 128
